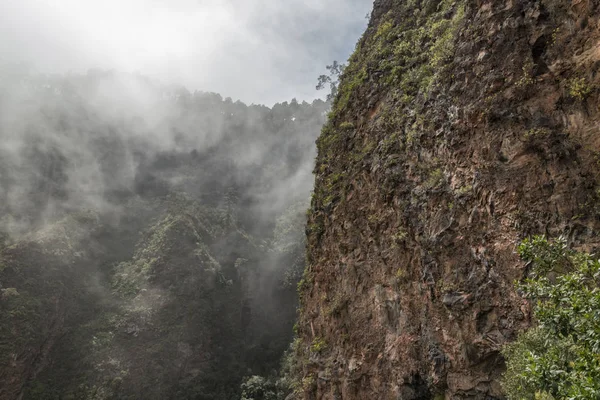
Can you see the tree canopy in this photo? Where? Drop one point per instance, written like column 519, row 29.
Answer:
column 560, row 357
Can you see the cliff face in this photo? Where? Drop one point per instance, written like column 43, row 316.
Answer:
column 459, row 129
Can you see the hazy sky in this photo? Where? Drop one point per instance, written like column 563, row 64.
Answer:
column 259, row 51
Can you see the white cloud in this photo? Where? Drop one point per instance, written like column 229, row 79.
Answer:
column 256, row 50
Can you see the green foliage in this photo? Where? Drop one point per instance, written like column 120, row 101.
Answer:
column 400, row 273
column 419, row 47
column 21, row 316
column 544, row 255
column 259, row 388
column 9, row 292
column 536, row 133
column 354, row 81
column 463, row 190
column 332, row 79
column 405, row 55
column 305, row 282
column 280, row 385
column 289, row 241
column 400, row 235
column 436, row 179
column 559, row 358
column 308, row 383
column 318, row 345
column 198, row 265
column 363, row 151
column 328, row 140
column 527, row 77
column 579, row 89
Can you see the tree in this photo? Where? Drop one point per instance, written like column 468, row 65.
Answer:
column 259, row 388
column 559, row 358
column 333, row 79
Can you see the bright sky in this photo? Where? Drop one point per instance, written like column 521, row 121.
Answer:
column 260, row 51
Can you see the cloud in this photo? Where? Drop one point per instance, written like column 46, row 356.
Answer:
column 260, row 51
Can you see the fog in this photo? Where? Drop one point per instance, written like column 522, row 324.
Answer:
column 151, row 224
column 259, row 51
column 165, row 222
column 92, row 141
column 93, row 94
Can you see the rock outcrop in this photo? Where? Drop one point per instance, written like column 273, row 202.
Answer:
column 459, row 129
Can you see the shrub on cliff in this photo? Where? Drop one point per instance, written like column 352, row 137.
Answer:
column 560, row 358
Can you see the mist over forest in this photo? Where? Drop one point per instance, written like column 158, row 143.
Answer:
column 93, row 141
column 151, row 229
column 151, row 237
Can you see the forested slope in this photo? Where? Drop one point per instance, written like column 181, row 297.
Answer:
column 151, row 237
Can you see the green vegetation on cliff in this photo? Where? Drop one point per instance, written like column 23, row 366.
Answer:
column 557, row 359
column 403, row 53
column 456, row 128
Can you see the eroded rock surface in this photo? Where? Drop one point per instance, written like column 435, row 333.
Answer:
column 459, row 129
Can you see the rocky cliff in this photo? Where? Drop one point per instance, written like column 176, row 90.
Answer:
column 460, row 127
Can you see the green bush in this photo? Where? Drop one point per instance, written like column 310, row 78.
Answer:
column 259, row 388
column 560, row 358
column 318, row 345
column 579, row 88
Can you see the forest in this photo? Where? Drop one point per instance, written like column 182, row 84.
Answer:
column 152, row 238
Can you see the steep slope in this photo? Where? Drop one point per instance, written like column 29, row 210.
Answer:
column 459, row 128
